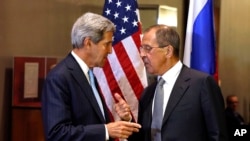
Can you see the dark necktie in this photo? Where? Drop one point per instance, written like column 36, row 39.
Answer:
column 97, row 96
column 157, row 112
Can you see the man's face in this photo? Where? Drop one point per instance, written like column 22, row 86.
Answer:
column 154, row 58
column 234, row 103
column 100, row 51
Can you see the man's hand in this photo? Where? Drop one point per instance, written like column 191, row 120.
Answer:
column 122, row 129
column 122, row 108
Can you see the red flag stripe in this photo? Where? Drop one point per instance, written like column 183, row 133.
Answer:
column 111, row 85
column 111, row 79
column 115, row 78
column 139, row 80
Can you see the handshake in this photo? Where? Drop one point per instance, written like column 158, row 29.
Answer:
column 122, row 129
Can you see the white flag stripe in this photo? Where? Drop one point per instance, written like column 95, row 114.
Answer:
column 189, row 32
column 104, row 87
column 138, row 15
column 124, row 84
column 194, row 9
column 197, row 6
column 106, row 92
column 134, row 54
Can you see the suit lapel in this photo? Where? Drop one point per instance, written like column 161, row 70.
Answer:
column 146, row 102
column 177, row 93
column 84, row 84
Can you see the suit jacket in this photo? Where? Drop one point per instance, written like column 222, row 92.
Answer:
column 69, row 108
column 195, row 110
column 233, row 118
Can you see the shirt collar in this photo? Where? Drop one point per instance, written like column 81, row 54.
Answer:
column 171, row 75
column 82, row 64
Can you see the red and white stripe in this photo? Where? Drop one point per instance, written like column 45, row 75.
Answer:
column 123, row 73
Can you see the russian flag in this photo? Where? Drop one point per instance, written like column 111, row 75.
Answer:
column 200, row 51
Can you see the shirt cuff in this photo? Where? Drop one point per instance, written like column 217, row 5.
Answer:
column 106, row 133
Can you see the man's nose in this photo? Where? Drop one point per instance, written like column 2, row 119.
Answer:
column 142, row 53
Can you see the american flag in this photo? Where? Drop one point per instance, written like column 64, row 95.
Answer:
column 124, row 72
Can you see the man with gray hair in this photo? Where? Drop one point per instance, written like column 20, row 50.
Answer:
column 72, row 107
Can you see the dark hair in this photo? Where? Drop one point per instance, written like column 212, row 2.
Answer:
column 166, row 35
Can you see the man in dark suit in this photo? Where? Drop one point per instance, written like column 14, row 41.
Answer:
column 72, row 110
column 233, row 119
column 192, row 107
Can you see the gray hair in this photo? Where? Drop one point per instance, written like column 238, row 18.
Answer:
column 90, row 25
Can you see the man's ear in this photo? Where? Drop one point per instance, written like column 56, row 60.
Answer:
column 169, row 51
column 86, row 41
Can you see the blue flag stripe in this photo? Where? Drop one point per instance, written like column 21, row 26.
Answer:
column 203, row 41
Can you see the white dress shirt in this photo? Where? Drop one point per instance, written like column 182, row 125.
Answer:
column 85, row 70
column 170, row 78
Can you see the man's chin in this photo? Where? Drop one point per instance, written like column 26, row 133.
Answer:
column 103, row 63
